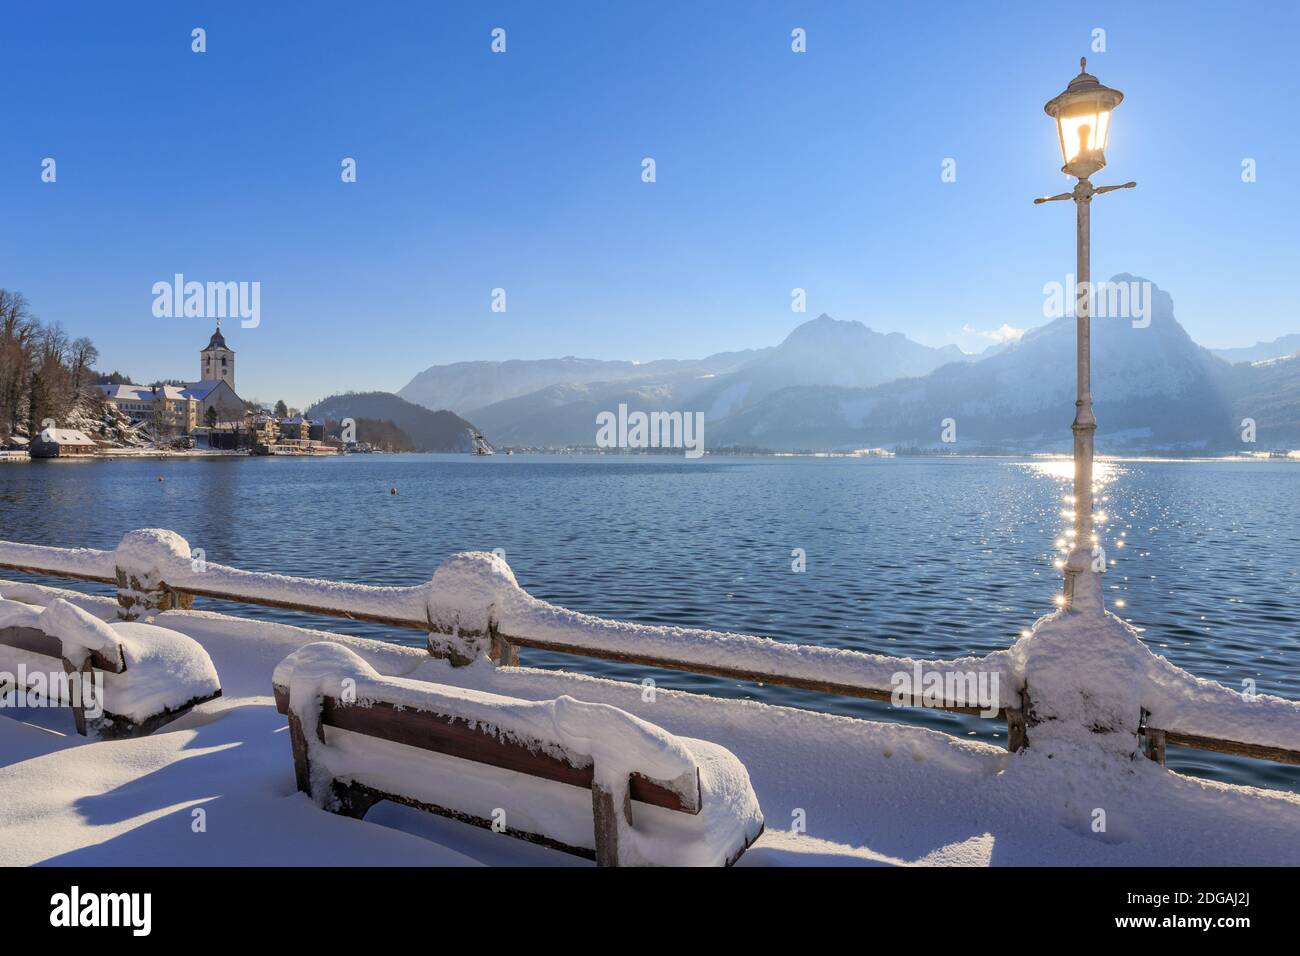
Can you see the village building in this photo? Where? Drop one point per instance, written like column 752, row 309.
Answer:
column 265, row 429
column 174, row 410
column 169, row 409
column 227, row 408
column 63, row 443
column 295, row 427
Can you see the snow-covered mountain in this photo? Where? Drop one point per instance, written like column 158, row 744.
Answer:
column 822, row 351
column 1153, row 389
column 834, row 384
column 466, row 387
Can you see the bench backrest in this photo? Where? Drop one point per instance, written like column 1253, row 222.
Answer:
column 450, row 734
column 66, row 633
column 30, row 628
column 500, row 732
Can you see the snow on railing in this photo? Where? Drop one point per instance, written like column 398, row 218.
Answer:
column 473, row 606
column 1079, row 668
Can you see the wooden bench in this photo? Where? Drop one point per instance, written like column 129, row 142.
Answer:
column 458, row 723
column 64, row 632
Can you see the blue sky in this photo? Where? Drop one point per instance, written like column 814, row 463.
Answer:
column 522, row 171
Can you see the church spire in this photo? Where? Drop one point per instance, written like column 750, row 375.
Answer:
column 218, row 341
column 217, row 360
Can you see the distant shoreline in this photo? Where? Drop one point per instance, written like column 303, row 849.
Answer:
column 126, row 454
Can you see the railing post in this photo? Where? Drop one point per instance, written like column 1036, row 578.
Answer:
column 1156, row 746
column 464, row 647
column 464, row 596
column 139, row 564
column 1017, row 739
column 458, row 647
column 500, row 651
column 137, row 598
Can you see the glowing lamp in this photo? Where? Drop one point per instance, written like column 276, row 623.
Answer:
column 1082, row 115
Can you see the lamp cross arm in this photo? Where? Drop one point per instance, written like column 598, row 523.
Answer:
column 1059, row 196
column 1107, row 189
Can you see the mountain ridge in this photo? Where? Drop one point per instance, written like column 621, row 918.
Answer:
column 837, row 384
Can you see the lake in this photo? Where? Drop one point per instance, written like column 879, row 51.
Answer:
column 908, row 556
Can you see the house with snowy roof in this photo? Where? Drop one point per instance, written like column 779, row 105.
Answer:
column 63, row 443
column 303, row 428
column 167, row 408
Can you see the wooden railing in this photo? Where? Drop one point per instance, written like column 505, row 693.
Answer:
column 143, row 591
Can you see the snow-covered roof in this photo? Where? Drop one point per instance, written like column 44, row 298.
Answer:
column 201, row 390
column 143, row 393
column 66, row 436
column 146, row 393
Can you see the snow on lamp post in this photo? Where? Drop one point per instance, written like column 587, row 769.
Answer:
column 1082, row 115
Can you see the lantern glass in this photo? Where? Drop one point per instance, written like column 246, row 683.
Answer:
column 1084, row 131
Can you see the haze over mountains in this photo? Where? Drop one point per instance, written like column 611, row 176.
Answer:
column 1262, row 351
column 838, row 385
column 822, row 351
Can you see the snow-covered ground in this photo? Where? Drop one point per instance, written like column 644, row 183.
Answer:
column 865, row 792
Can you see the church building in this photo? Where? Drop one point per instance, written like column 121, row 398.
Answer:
column 215, row 388
column 179, row 409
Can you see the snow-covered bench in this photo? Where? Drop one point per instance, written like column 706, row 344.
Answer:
column 123, row 679
column 515, row 766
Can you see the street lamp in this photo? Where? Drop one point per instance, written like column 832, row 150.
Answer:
column 1082, row 115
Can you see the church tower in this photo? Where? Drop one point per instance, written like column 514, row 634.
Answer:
column 217, row 361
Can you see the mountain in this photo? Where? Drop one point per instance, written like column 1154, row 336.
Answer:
column 469, row 386
column 1262, row 351
column 823, row 351
column 439, row 431
column 1268, row 392
column 837, row 385
column 1153, row 389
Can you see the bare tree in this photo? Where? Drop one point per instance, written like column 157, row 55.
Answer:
column 84, row 355
column 43, row 374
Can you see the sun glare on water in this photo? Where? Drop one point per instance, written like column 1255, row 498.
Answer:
column 1103, row 472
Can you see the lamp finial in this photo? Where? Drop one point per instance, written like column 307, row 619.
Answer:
column 1083, row 64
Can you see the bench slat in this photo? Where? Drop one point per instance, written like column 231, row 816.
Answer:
column 38, row 642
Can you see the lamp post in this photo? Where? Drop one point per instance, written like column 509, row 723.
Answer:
column 1082, row 115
